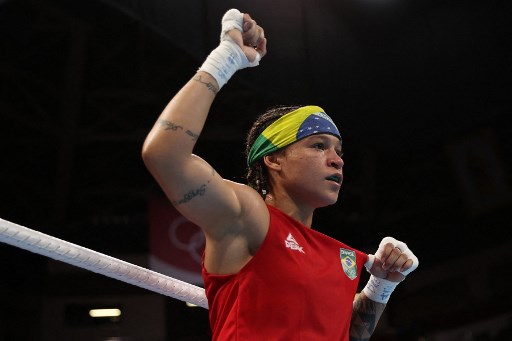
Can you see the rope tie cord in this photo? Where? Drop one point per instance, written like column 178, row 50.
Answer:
column 61, row 250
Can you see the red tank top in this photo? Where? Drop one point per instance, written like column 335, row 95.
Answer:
column 299, row 285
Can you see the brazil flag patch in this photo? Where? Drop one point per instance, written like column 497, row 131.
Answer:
column 348, row 261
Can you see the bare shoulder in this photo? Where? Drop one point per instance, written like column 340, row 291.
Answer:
column 254, row 213
column 229, row 251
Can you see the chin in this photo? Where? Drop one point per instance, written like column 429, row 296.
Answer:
column 328, row 201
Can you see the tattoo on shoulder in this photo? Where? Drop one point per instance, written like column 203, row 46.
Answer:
column 208, row 85
column 168, row 125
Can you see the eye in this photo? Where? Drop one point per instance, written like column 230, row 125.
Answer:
column 340, row 153
column 319, row 146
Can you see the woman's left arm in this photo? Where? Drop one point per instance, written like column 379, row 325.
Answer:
column 392, row 262
column 365, row 316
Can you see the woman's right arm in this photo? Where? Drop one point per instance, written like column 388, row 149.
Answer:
column 189, row 182
column 218, row 206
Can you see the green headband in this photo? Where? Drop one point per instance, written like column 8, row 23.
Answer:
column 289, row 128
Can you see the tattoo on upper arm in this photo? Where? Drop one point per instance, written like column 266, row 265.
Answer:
column 365, row 315
column 208, row 85
column 200, row 191
column 193, row 193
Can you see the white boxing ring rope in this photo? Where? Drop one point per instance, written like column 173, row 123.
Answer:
column 58, row 249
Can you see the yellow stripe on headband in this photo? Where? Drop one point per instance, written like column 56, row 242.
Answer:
column 290, row 128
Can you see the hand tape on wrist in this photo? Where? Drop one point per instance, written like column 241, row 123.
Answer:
column 228, row 57
column 224, row 61
column 379, row 289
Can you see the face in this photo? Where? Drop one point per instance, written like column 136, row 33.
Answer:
column 312, row 170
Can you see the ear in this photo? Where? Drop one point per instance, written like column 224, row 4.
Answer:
column 272, row 161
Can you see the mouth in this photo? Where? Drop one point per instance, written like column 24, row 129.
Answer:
column 336, row 178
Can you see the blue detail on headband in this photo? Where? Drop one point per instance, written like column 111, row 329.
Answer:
column 317, row 124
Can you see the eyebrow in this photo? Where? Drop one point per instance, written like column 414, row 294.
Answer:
column 324, row 137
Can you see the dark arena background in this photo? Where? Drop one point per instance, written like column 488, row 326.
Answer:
column 420, row 90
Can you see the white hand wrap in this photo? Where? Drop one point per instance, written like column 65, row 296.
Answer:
column 232, row 19
column 379, row 289
column 228, row 57
column 396, row 243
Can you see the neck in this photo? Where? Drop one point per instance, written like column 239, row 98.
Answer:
column 285, row 204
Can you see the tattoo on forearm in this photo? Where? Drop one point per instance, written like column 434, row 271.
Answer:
column 192, row 134
column 168, row 125
column 365, row 315
column 208, row 85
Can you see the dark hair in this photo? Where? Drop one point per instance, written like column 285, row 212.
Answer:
column 257, row 174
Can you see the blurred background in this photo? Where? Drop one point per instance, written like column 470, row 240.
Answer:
column 420, row 90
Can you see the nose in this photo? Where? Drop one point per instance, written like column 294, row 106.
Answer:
column 335, row 160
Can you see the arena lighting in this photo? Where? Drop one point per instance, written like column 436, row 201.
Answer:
column 191, row 305
column 105, row 312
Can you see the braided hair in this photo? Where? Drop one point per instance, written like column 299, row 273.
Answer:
column 257, row 174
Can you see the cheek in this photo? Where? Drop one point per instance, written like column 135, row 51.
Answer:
column 292, row 154
column 303, row 164
column 303, row 154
